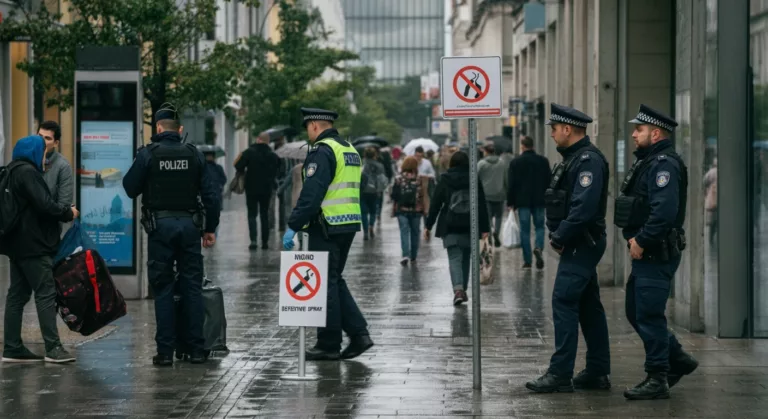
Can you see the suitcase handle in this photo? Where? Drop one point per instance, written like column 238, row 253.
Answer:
column 92, row 276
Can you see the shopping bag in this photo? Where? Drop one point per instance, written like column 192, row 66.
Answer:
column 237, row 185
column 486, row 262
column 510, row 232
column 75, row 240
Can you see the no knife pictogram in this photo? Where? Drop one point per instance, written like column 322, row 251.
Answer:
column 303, row 281
column 471, row 84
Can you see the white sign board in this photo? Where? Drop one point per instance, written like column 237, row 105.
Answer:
column 470, row 87
column 303, row 289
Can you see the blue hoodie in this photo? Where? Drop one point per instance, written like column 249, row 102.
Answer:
column 30, row 149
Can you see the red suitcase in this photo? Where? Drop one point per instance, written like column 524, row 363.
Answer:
column 86, row 296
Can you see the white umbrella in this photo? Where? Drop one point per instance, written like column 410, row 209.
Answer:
column 425, row 143
column 296, row 150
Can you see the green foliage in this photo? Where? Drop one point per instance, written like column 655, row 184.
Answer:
column 162, row 29
column 401, row 102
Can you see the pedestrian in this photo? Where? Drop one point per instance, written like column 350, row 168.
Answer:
column 528, row 179
column 261, row 166
column 31, row 245
column 651, row 211
column 492, row 173
column 575, row 203
column 171, row 178
column 385, row 159
column 58, row 173
column 425, row 165
column 409, row 205
column 450, row 208
column 215, row 173
column 283, row 171
column 370, row 191
column 329, row 210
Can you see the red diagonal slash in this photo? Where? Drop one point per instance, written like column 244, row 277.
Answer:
column 306, row 284
column 472, row 85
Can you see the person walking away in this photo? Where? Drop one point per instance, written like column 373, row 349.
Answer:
column 370, row 190
column 492, row 173
column 528, row 179
column 385, row 159
column 450, row 209
column 651, row 212
column 31, row 245
column 215, row 173
column 261, row 166
column 408, row 205
column 58, row 173
column 329, row 210
column 576, row 205
column 171, row 178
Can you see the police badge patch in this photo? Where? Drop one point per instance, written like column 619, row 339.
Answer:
column 585, row 179
column 662, row 179
column 311, row 169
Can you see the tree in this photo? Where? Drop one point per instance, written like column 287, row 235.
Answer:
column 162, row 29
column 401, row 102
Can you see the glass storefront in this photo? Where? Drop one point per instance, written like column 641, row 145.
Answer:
column 710, row 203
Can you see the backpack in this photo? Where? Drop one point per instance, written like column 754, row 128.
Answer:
column 10, row 205
column 371, row 185
column 458, row 208
column 409, row 191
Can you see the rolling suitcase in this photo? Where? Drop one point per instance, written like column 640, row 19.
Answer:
column 214, row 327
column 86, row 297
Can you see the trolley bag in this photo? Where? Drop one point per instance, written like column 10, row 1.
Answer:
column 86, row 296
column 215, row 323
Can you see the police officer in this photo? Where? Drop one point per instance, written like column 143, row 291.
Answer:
column 329, row 210
column 575, row 205
column 651, row 211
column 170, row 176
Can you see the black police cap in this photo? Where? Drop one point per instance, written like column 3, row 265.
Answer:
column 648, row 115
column 315, row 114
column 560, row 114
column 167, row 111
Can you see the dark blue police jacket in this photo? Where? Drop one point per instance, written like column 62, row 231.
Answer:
column 308, row 207
column 136, row 178
column 585, row 178
column 661, row 182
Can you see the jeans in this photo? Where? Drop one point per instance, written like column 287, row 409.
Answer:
column 368, row 208
column 176, row 240
column 458, row 266
column 496, row 214
column 525, row 230
column 258, row 206
column 410, row 233
column 27, row 276
column 343, row 313
column 379, row 204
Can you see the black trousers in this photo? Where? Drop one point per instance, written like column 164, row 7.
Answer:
column 258, row 206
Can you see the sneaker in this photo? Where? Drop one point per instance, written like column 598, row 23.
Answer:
column 404, row 262
column 458, row 298
column 464, row 296
column 59, row 355
column 22, row 355
column 550, row 383
column 539, row 258
column 527, row 266
column 371, row 233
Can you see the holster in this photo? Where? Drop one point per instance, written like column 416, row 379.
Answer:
column 555, row 204
column 148, row 220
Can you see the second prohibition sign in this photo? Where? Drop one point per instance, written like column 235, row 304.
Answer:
column 482, row 91
column 304, row 281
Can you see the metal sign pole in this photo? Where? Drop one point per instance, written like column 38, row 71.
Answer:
column 475, row 256
column 304, row 237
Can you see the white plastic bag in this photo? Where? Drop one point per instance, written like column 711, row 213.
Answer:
column 510, row 232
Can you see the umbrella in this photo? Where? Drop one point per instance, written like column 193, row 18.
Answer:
column 500, row 143
column 360, row 147
column 281, row 131
column 207, row 148
column 380, row 142
column 296, row 150
column 425, row 143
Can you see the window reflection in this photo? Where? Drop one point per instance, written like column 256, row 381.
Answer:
column 710, row 203
column 758, row 56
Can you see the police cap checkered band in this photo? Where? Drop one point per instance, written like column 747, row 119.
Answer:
column 565, row 120
column 654, row 121
column 319, row 118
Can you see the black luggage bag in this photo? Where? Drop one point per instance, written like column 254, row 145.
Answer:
column 215, row 326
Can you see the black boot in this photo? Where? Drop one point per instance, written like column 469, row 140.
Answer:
column 199, row 357
column 319, row 354
column 680, row 365
column 550, row 383
column 586, row 381
column 357, row 346
column 162, row 360
column 653, row 387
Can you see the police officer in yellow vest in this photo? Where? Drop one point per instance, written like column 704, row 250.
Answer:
column 329, row 210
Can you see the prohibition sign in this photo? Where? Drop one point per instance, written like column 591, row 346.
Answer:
column 311, row 273
column 482, row 90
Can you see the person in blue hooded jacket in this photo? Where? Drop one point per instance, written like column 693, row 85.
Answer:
column 31, row 245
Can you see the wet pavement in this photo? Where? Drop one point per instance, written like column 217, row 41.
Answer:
column 420, row 367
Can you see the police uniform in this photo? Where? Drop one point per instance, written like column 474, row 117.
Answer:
column 329, row 210
column 575, row 210
column 651, row 209
column 171, row 178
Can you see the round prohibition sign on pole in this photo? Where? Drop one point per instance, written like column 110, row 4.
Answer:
column 481, row 91
column 304, row 282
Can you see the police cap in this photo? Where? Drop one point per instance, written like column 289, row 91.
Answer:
column 648, row 115
column 167, row 111
column 314, row 114
column 560, row 114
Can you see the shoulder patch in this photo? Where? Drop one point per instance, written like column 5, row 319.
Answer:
column 311, row 169
column 661, row 157
column 662, row 179
column 585, row 156
column 585, row 179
